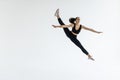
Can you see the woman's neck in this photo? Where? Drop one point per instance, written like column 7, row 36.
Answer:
column 77, row 23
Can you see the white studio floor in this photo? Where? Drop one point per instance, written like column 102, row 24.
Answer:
column 31, row 49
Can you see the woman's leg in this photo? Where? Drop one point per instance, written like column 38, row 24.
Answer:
column 77, row 43
column 66, row 30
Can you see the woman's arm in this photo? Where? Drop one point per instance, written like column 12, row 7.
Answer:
column 63, row 26
column 89, row 29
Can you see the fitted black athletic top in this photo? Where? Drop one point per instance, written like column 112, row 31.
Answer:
column 76, row 31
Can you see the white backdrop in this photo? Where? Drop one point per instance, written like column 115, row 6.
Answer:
column 31, row 49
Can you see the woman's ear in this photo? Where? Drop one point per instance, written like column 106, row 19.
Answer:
column 75, row 21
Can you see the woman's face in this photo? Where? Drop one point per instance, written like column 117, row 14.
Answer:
column 77, row 19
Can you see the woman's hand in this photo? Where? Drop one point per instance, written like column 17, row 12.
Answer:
column 54, row 26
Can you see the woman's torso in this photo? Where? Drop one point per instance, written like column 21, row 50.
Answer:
column 76, row 29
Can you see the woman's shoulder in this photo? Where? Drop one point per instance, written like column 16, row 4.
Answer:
column 72, row 25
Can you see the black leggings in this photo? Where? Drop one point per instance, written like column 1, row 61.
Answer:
column 72, row 37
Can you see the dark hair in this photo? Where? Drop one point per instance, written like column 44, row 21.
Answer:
column 71, row 20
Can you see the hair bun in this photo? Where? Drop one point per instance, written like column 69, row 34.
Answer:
column 72, row 20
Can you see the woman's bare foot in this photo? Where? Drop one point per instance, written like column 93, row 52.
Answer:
column 57, row 13
column 90, row 57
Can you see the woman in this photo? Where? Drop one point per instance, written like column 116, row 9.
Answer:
column 76, row 28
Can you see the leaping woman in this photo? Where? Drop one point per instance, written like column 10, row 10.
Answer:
column 76, row 28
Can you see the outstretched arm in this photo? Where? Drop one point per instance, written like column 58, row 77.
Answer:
column 63, row 26
column 89, row 29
